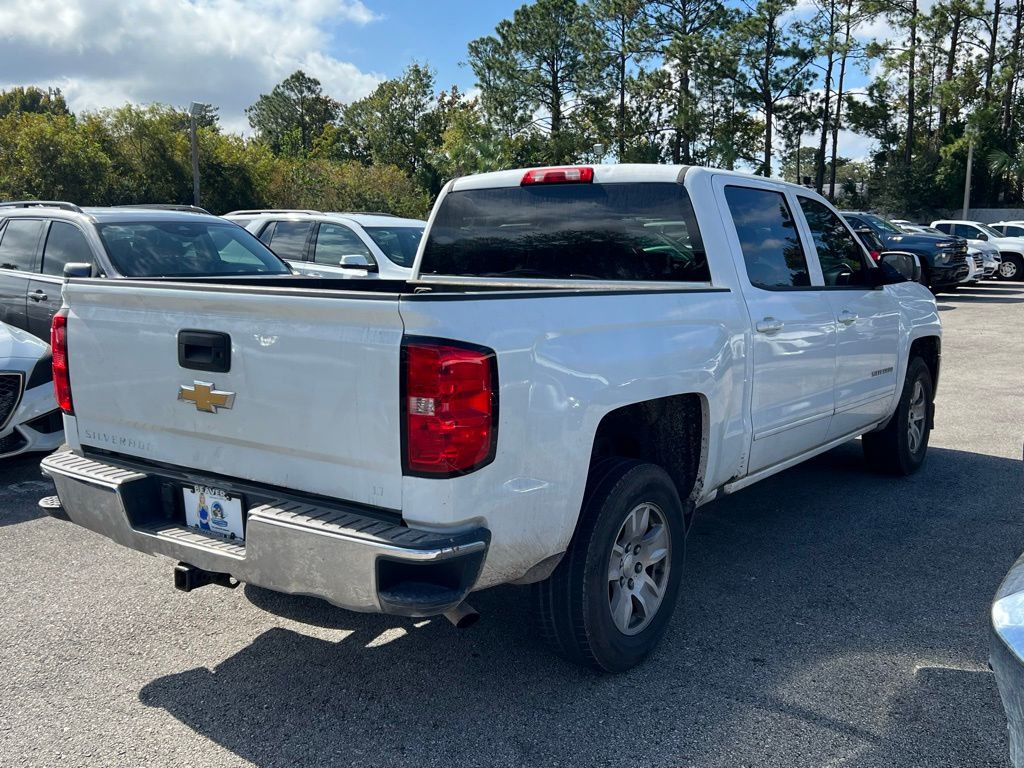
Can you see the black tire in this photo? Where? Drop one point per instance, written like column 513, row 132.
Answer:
column 890, row 450
column 926, row 275
column 1011, row 268
column 573, row 606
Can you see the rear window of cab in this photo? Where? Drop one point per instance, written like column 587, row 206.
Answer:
column 638, row 231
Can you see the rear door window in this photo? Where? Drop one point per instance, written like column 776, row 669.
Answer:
column 841, row 257
column 629, row 231
column 965, row 231
column 65, row 244
column 19, row 244
column 288, row 239
column 772, row 251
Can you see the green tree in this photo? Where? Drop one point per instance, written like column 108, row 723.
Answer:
column 33, row 100
column 47, row 156
column 773, row 63
column 401, row 123
column 694, row 60
column 532, row 72
column 293, row 114
column 624, row 40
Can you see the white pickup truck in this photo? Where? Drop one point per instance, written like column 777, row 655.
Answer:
column 582, row 357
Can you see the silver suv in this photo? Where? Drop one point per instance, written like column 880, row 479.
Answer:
column 38, row 238
column 338, row 244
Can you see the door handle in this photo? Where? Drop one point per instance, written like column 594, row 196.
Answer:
column 846, row 317
column 769, row 326
column 37, row 296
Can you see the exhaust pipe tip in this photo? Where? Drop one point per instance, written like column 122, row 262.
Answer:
column 462, row 616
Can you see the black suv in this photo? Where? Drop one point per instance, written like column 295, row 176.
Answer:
column 943, row 257
column 38, row 238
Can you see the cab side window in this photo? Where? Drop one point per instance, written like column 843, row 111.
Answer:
column 18, row 246
column 966, row 231
column 841, row 257
column 288, row 239
column 334, row 241
column 65, row 244
column 947, row 228
column 769, row 241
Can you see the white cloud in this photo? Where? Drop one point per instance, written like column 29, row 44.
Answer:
column 102, row 53
column 854, row 145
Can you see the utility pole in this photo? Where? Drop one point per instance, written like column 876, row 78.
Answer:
column 967, row 179
column 194, row 109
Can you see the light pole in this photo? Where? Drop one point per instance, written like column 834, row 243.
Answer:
column 967, row 179
column 194, row 109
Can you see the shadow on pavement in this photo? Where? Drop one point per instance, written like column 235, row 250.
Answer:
column 841, row 612
column 23, row 485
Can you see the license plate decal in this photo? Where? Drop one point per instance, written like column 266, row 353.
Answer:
column 214, row 511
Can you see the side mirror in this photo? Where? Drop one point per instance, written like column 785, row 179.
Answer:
column 357, row 261
column 982, row 236
column 77, row 269
column 903, row 264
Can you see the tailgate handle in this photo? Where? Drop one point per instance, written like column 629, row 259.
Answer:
column 204, row 351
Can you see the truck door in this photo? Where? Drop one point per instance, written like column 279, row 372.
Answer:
column 793, row 340
column 867, row 323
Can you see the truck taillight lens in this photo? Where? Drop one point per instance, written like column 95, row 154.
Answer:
column 450, row 407
column 59, row 352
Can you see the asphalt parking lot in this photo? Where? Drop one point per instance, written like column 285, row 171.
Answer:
column 831, row 617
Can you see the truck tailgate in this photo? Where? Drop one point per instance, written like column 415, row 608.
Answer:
column 315, row 379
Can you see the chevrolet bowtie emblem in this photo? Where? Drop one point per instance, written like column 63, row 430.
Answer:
column 205, row 397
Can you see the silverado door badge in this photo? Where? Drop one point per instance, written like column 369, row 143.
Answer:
column 205, row 397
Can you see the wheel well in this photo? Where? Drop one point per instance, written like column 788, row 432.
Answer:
column 667, row 431
column 929, row 349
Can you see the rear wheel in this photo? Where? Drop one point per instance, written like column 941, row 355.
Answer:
column 900, row 448
column 610, row 599
column 1011, row 267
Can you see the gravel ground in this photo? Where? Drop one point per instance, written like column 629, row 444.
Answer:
column 830, row 617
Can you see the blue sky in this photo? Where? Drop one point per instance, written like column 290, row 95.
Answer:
column 433, row 32
column 103, row 53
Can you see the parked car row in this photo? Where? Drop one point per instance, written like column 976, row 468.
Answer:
column 982, row 236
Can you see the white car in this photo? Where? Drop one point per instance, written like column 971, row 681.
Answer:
column 1009, row 228
column 359, row 245
column 29, row 417
column 582, row 357
column 976, row 265
column 1011, row 249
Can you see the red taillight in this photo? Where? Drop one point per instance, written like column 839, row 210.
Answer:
column 573, row 175
column 450, row 407
column 876, row 255
column 59, row 351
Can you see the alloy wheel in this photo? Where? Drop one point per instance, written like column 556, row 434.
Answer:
column 638, row 568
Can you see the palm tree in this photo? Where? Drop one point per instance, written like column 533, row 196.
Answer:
column 1003, row 164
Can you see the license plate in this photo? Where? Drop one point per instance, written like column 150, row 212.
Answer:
column 214, row 511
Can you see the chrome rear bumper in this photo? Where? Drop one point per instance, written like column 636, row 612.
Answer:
column 341, row 553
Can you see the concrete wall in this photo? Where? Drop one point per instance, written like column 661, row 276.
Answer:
column 989, row 215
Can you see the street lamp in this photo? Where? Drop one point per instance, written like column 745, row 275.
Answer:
column 194, row 110
column 967, row 178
